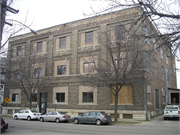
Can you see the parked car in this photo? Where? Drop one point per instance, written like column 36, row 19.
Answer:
column 92, row 117
column 26, row 114
column 55, row 116
column 4, row 125
column 171, row 111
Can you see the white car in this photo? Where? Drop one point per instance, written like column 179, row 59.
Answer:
column 171, row 111
column 26, row 114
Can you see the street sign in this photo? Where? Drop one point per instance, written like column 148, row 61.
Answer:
column 6, row 99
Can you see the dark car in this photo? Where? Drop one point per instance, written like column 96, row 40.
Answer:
column 97, row 118
column 4, row 125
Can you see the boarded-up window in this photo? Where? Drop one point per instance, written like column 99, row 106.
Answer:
column 125, row 95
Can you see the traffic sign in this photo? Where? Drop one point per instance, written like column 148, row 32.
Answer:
column 6, row 99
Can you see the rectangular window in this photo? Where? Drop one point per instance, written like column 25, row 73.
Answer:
column 60, row 97
column 15, row 97
column 61, row 70
column 148, row 97
column 89, row 37
column 157, row 98
column 166, row 59
column 17, row 74
column 38, row 72
column 62, row 42
column 155, row 68
column 120, row 33
column 146, row 33
column 162, row 70
column 39, row 46
column 162, row 52
column 121, row 62
column 88, row 67
column 87, row 96
column 19, row 49
column 154, row 43
column 34, row 97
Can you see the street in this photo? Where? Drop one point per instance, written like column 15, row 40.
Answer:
column 157, row 126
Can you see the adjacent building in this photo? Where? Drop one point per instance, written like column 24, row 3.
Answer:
column 64, row 46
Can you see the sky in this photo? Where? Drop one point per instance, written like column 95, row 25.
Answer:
column 40, row 14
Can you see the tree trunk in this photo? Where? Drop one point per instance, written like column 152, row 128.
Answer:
column 115, row 110
column 30, row 103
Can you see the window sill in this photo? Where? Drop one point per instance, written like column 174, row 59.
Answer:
column 60, row 103
column 15, row 102
column 87, row 104
column 122, row 104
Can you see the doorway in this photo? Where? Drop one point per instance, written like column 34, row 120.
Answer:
column 43, row 103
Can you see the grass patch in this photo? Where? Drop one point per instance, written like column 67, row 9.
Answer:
column 125, row 122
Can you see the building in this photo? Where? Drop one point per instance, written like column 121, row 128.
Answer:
column 63, row 48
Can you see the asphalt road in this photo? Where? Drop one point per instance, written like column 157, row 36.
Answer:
column 157, row 126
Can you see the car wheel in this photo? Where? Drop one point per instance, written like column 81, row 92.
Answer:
column 98, row 122
column 76, row 121
column 165, row 118
column 15, row 117
column 57, row 120
column 41, row 119
column 2, row 130
column 28, row 118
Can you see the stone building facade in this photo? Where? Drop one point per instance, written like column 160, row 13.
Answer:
column 64, row 47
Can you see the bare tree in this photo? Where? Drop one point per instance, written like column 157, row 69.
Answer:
column 121, row 61
column 162, row 14
column 26, row 72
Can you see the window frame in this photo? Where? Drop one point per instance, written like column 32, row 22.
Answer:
column 155, row 68
column 61, row 99
column 19, row 51
column 89, row 97
column 163, row 73
column 61, row 72
column 39, row 46
column 89, row 37
column 34, row 97
column 17, row 74
column 15, row 97
column 89, row 68
column 39, row 71
column 154, row 45
column 62, row 42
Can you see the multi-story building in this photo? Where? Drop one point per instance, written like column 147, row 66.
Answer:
column 64, row 47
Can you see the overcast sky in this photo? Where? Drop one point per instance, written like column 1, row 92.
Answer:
column 42, row 14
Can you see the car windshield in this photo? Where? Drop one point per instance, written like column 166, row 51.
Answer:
column 34, row 111
column 61, row 112
column 172, row 107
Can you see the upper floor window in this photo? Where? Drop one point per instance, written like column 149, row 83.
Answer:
column 162, row 52
column 39, row 46
column 61, row 70
column 88, row 67
column 89, row 37
column 17, row 74
column 38, row 72
column 62, row 42
column 120, row 62
column 87, row 96
column 120, row 33
column 146, row 34
column 154, row 43
column 155, row 68
column 15, row 97
column 162, row 68
column 19, row 50
column 166, row 59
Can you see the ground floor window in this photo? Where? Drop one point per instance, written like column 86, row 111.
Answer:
column 125, row 95
column 34, row 97
column 60, row 97
column 87, row 96
column 15, row 97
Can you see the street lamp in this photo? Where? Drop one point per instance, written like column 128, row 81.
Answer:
column 33, row 31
